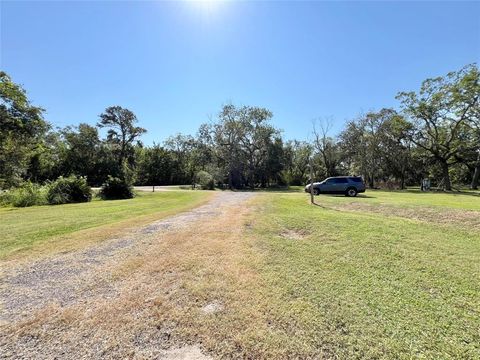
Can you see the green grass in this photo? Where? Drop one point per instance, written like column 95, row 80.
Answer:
column 459, row 200
column 24, row 229
column 364, row 285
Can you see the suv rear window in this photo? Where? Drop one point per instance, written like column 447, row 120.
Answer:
column 356, row 179
column 340, row 181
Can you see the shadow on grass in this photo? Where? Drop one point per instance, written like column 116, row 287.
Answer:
column 359, row 196
column 433, row 191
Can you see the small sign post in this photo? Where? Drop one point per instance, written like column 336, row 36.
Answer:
column 312, row 201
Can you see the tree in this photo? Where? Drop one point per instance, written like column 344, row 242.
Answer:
column 326, row 146
column 226, row 137
column 242, row 137
column 395, row 146
column 155, row 166
column 296, row 159
column 83, row 149
column 256, row 139
column 360, row 143
column 439, row 113
column 182, row 148
column 21, row 129
column 122, row 132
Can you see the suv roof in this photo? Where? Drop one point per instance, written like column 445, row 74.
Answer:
column 345, row 177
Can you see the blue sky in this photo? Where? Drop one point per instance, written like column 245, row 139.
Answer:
column 175, row 63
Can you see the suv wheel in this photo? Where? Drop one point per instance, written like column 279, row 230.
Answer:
column 316, row 192
column 351, row 192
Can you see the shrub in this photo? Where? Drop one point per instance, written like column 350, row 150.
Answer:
column 205, row 180
column 115, row 188
column 27, row 194
column 71, row 189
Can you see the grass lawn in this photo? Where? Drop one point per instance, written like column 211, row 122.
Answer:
column 390, row 275
column 58, row 227
column 333, row 281
column 360, row 284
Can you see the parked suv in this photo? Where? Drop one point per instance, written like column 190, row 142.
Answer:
column 348, row 185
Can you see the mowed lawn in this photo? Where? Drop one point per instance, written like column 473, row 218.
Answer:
column 59, row 227
column 370, row 278
column 386, row 275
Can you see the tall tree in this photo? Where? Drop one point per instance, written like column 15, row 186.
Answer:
column 227, row 132
column 439, row 112
column 256, row 138
column 21, row 129
column 122, row 132
column 82, row 154
column 242, row 136
column 326, row 146
column 296, row 159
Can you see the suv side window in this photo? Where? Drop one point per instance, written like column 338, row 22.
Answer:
column 340, row 181
column 356, row 179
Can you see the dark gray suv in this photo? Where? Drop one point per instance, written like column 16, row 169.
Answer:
column 348, row 185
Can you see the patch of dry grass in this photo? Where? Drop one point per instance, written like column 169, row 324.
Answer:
column 160, row 299
column 441, row 216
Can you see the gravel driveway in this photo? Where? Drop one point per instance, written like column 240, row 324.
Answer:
column 75, row 277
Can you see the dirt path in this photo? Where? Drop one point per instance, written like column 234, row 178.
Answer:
column 75, row 278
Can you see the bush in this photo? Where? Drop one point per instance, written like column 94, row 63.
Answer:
column 115, row 188
column 205, row 180
column 27, row 194
column 71, row 189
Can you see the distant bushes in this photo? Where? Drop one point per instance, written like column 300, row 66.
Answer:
column 64, row 190
column 67, row 190
column 27, row 194
column 115, row 188
column 205, row 180
column 71, row 189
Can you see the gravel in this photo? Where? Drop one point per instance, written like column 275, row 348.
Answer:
column 79, row 276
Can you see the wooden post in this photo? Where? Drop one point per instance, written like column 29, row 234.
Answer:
column 312, row 201
column 153, row 188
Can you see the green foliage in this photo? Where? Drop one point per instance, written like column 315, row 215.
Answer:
column 122, row 132
column 205, row 180
column 115, row 188
column 27, row 194
column 21, row 129
column 436, row 135
column 71, row 189
column 442, row 112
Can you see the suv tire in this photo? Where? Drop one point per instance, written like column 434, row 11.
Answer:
column 351, row 192
column 316, row 192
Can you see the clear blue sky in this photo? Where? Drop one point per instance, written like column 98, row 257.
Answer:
column 175, row 63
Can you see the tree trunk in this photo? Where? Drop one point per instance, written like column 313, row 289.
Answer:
column 476, row 174
column 230, row 182
column 251, row 174
column 446, row 176
column 371, row 182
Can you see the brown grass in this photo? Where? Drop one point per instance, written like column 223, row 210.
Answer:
column 160, row 299
column 441, row 216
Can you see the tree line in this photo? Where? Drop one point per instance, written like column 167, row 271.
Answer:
column 434, row 133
